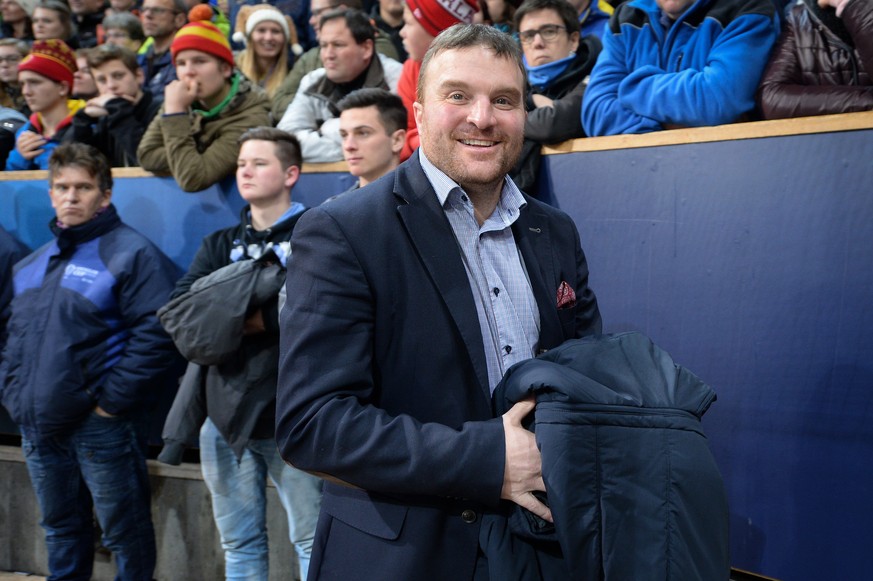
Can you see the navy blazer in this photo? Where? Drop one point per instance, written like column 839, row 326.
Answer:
column 383, row 382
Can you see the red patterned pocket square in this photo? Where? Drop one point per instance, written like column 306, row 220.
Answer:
column 566, row 296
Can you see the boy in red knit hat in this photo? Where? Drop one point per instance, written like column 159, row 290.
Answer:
column 46, row 80
column 194, row 137
column 423, row 20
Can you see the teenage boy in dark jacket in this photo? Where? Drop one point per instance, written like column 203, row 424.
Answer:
column 237, row 446
column 84, row 356
column 115, row 120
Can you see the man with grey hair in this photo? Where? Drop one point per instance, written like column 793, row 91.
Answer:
column 406, row 303
column 161, row 20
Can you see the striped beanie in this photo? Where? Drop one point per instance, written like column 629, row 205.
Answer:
column 438, row 15
column 200, row 34
column 52, row 59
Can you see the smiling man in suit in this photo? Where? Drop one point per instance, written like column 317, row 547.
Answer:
column 406, row 303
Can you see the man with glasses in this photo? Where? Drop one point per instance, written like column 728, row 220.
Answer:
column 558, row 63
column 678, row 63
column 12, row 51
column 161, row 19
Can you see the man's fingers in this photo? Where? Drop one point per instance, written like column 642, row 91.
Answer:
column 520, row 410
column 533, row 504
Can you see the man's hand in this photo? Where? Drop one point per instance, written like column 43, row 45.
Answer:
column 102, row 413
column 96, row 107
column 838, row 5
column 29, row 144
column 542, row 101
column 254, row 324
column 523, row 473
column 179, row 96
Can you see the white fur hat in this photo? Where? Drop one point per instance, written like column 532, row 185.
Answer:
column 250, row 16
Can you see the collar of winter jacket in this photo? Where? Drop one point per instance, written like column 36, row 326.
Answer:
column 98, row 226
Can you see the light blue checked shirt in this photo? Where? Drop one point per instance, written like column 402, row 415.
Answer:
column 508, row 314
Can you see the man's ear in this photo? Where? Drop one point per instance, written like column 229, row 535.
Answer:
column 226, row 69
column 140, row 77
column 181, row 20
column 417, row 111
column 292, row 174
column 371, row 46
column 398, row 138
column 66, row 89
column 107, row 199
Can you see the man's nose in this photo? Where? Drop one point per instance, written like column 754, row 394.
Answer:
column 481, row 113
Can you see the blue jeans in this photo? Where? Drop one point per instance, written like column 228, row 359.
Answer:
column 239, row 502
column 98, row 467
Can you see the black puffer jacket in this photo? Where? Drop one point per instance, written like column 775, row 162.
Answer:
column 632, row 484
column 822, row 64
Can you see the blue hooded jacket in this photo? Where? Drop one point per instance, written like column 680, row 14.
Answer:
column 700, row 70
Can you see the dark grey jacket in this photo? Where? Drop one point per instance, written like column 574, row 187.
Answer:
column 230, row 377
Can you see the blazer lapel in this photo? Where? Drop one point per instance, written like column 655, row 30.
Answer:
column 432, row 236
column 532, row 236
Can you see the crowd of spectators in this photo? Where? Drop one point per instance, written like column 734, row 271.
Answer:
column 595, row 67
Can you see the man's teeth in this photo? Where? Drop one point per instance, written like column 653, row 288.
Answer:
column 478, row 142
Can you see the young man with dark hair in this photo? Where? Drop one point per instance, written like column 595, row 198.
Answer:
column 373, row 129
column 46, row 78
column 84, row 356
column 115, row 120
column 205, row 111
column 237, row 410
column 346, row 38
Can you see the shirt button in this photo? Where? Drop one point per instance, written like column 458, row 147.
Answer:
column 508, row 349
column 468, row 516
column 496, row 291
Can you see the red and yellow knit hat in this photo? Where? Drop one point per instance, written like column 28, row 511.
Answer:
column 438, row 15
column 200, row 34
column 52, row 59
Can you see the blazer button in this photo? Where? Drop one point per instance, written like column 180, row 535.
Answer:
column 468, row 516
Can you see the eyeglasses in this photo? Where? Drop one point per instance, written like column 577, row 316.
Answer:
column 548, row 33
column 10, row 60
column 156, row 10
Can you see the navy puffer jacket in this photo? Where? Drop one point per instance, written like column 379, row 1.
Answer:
column 631, row 482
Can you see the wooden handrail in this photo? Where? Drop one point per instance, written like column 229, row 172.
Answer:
column 736, row 131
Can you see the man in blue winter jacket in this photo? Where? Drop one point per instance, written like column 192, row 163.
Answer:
column 84, row 357
column 678, row 63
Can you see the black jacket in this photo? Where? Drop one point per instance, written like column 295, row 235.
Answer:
column 822, row 64
column 632, row 484
column 232, row 378
column 118, row 134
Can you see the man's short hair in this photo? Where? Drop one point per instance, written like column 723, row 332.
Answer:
column 64, row 12
column 128, row 23
column 358, row 23
column 349, row 4
column 102, row 54
column 563, row 8
column 392, row 111
column 20, row 45
column 84, row 156
column 461, row 36
column 286, row 145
